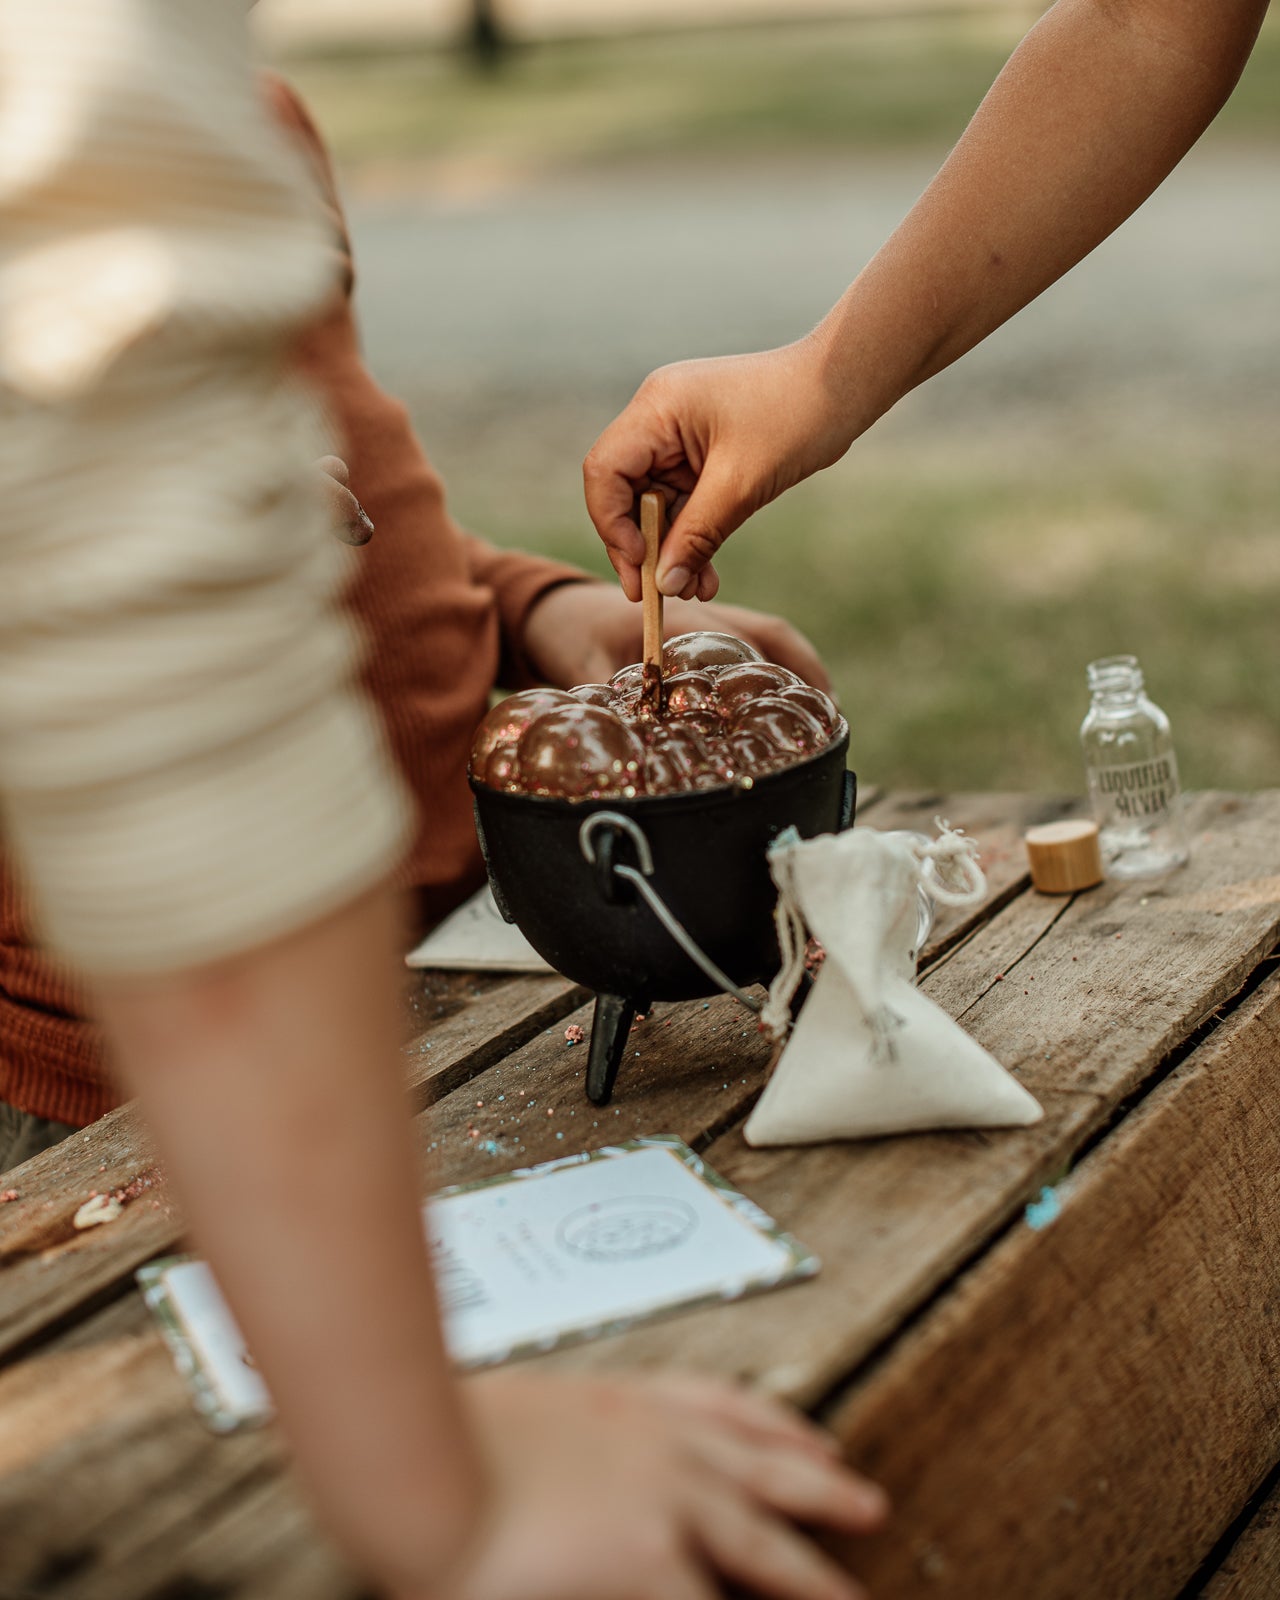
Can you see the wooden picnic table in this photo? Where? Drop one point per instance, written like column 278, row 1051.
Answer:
column 1087, row 1410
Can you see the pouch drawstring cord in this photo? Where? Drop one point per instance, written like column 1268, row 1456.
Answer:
column 950, row 873
column 953, row 855
column 793, row 944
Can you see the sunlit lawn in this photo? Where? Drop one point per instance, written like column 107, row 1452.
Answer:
column 957, row 604
column 867, row 83
column 956, row 595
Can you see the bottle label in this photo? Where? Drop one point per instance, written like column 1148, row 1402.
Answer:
column 1146, row 791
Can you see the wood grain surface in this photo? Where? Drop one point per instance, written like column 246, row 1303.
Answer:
column 1082, row 1017
column 48, row 1269
column 1087, row 1411
column 1250, row 1570
column 941, row 1328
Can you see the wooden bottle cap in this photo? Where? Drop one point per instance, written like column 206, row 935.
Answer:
column 1064, row 856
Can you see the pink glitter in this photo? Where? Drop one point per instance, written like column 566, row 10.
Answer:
column 139, row 1185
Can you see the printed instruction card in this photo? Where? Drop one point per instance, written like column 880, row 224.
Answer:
column 571, row 1250
column 476, row 938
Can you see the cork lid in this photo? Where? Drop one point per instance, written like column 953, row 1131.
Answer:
column 1064, row 856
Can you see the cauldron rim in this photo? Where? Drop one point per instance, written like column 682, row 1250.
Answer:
column 691, row 799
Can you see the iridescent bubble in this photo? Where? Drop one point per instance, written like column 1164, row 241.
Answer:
column 789, row 727
column 728, row 717
column 751, row 755
column 595, row 694
column 578, row 750
column 663, row 774
column 689, row 691
column 677, row 751
column 817, row 704
column 708, row 724
column 750, row 681
column 501, row 730
column 628, row 681
column 693, row 652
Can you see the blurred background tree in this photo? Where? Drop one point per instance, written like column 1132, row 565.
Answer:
column 485, row 36
column 1102, row 475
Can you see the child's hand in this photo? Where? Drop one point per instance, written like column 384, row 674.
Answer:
column 654, row 1489
column 350, row 523
column 584, row 632
column 720, row 438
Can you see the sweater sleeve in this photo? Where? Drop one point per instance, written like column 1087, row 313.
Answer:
column 185, row 752
column 517, row 581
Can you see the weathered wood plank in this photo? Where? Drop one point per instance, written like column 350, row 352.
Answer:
column 1094, row 1403
column 897, row 1212
column 265, row 1546
column 688, row 1069
column 1081, row 1017
column 500, row 1018
column 468, row 1025
column 678, row 1083
column 1131, row 971
column 47, row 1268
column 889, row 1218
column 1251, row 1568
column 997, row 821
column 868, row 797
column 105, row 1391
column 431, row 995
column 111, row 1489
column 100, row 1450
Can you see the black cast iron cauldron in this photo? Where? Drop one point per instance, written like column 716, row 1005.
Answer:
column 572, row 889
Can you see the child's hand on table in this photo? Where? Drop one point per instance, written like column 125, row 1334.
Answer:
column 658, row 1488
column 584, row 632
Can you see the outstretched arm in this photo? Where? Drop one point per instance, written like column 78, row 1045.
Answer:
column 1093, row 110
column 202, row 803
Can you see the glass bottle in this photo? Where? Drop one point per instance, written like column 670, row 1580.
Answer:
column 1133, row 774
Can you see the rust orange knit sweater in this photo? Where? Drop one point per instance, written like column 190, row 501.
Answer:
column 443, row 612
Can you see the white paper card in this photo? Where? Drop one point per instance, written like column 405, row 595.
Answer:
column 551, row 1255
column 474, row 938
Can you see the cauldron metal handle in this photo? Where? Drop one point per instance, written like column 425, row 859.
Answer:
column 639, row 878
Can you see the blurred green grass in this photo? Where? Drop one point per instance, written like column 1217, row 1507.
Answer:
column 863, row 82
column 958, row 602
column 956, row 595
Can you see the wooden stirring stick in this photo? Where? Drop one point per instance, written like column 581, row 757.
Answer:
column 653, row 525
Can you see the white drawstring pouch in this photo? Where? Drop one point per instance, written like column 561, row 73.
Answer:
column 872, row 1054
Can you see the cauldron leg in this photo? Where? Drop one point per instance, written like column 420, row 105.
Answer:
column 609, row 1028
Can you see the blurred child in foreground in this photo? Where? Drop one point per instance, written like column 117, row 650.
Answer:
column 447, row 617
column 202, row 802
